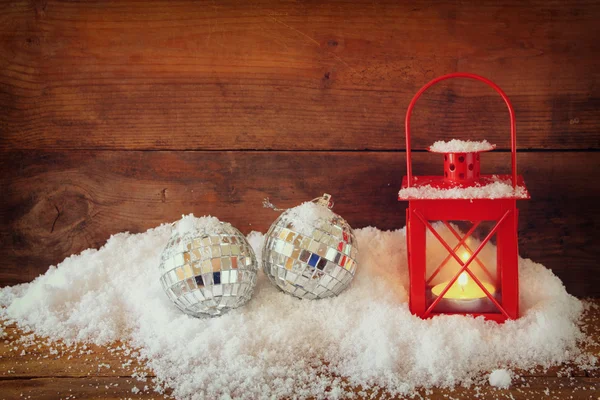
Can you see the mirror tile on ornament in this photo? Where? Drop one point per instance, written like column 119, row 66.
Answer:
column 224, row 277
column 321, row 264
column 225, row 250
column 291, row 277
column 278, row 247
column 218, row 290
column 174, row 291
column 289, row 263
column 326, row 280
column 318, row 234
column 191, row 284
column 322, row 250
column 304, row 256
column 196, row 268
column 208, row 279
column 287, row 249
column 198, row 295
column 178, row 259
column 215, row 251
column 290, row 237
column 295, row 253
column 216, row 264
column 187, row 270
column 305, row 242
column 297, row 240
column 225, row 263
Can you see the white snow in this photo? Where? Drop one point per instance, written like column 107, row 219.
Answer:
column 189, row 224
column 496, row 188
column 500, row 378
column 461, row 146
column 279, row 346
column 306, row 215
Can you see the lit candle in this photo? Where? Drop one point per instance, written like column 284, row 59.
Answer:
column 464, row 295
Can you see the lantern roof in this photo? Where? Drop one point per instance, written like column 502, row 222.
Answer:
column 487, row 187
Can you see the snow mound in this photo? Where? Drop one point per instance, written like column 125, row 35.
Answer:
column 279, row 346
column 306, row 215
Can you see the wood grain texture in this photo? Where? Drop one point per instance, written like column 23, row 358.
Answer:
column 56, row 203
column 42, row 373
column 294, row 75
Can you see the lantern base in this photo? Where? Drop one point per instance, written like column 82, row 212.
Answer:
column 481, row 305
column 487, row 316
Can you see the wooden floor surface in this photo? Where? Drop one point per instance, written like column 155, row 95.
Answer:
column 53, row 371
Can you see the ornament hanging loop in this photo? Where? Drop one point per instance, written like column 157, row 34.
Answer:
column 324, row 201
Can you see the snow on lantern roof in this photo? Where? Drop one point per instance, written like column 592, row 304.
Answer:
column 461, row 146
column 489, row 187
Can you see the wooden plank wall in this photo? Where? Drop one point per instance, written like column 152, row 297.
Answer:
column 123, row 115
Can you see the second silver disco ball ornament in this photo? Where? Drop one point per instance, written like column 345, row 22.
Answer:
column 310, row 252
column 208, row 267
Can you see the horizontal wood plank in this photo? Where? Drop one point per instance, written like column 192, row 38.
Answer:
column 294, row 75
column 56, row 203
column 105, row 388
column 118, row 388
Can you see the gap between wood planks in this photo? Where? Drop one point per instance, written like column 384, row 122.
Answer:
column 262, row 150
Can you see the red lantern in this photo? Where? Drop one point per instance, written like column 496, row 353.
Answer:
column 462, row 230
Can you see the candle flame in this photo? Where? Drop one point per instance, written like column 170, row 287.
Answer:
column 465, row 255
column 463, row 278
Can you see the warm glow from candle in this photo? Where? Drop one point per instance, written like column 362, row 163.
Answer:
column 465, row 256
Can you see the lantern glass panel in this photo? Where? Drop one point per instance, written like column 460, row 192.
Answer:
column 465, row 295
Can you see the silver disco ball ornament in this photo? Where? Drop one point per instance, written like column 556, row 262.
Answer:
column 310, row 252
column 208, row 267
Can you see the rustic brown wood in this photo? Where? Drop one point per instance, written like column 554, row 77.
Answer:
column 294, row 75
column 121, row 388
column 57, row 203
column 42, row 374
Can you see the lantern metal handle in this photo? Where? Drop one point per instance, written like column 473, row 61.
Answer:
column 511, row 111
